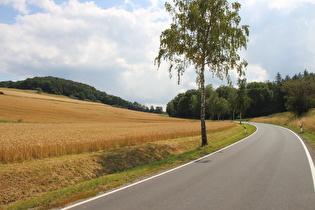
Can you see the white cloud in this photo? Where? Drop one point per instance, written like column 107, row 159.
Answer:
column 281, row 37
column 286, row 5
column 256, row 73
column 19, row 5
column 112, row 49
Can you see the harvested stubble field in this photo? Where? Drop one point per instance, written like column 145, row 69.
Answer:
column 42, row 125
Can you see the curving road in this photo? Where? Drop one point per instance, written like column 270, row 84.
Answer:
column 268, row 170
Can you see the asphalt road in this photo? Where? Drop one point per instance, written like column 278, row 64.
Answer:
column 268, row 170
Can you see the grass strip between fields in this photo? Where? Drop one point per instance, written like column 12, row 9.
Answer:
column 83, row 190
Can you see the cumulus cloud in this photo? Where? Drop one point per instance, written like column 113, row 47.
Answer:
column 112, row 49
column 281, row 37
column 19, row 5
column 256, row 73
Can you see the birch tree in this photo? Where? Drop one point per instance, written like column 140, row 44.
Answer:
column 208, row 35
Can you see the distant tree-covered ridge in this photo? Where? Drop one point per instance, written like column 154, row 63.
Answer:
column 76, row 90
column 296, row 94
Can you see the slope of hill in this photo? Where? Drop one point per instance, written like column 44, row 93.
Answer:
column 43, row 125
column 76, row 90
column 35, row 127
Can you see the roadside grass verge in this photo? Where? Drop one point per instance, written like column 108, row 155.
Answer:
column 188, row 148
column 289, row 121
column 308, row 136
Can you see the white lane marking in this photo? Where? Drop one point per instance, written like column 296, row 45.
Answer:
column 308, row 155
column 155, row 176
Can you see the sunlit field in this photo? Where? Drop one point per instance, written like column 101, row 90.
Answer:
column 287, row 118
column 36, row 125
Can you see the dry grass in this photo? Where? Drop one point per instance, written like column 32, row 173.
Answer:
column 308, row 121
column 287, row 118
column 55, row 125
column 34, row 178
column 279, row 119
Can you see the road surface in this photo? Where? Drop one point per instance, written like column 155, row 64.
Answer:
column 268, row 170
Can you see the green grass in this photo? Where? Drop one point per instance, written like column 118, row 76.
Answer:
column 6, row 121
column 309, row 136
column 93, row 187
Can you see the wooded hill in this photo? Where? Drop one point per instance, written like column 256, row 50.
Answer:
column 76, row 90
column 296, row 94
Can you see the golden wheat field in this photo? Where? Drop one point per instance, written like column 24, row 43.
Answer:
column 36, row 125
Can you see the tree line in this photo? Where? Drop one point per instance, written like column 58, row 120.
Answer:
column 76, row 90
column 296, row 94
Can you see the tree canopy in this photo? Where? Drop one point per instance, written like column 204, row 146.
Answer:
column 207, row 35
column 300, row 93
column 296, row 95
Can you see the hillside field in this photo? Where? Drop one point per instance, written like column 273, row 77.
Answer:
column 37, row 125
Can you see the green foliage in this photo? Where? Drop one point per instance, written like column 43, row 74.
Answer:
column 242, row 100
column 187, row 105
column 208, row 35
column 75, row 90
column 232, row 99
column 211, row 98
column 259, row 98
column 204, row 33
column 300, row 94
column 39, row 90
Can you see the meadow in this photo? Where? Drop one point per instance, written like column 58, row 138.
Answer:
column 289, row 119
column 35, row 126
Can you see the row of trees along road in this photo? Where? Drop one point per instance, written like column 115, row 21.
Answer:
column 296, row 94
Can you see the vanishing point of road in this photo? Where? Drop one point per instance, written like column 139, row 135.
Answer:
column 271, row 169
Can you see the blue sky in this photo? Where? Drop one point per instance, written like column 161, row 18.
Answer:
column 112, row 44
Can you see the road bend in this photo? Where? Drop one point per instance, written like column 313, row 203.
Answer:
column 268, row 170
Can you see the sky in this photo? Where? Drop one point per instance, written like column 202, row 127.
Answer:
column 111, row 44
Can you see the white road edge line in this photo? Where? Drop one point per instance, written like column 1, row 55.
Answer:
column 155, row 176
column 308, row 155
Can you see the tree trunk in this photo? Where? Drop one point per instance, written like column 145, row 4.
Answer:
column 204, row 140
column 233, row 115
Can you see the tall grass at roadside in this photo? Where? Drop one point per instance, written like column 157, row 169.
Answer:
column 287, row 118
column 308, row 120
column 290, row 121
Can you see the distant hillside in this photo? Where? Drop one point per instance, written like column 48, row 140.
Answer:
column 76, row 90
